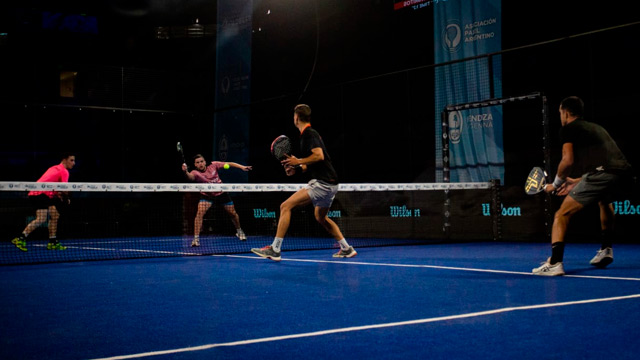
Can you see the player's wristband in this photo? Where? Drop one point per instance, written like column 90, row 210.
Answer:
column 557, row 182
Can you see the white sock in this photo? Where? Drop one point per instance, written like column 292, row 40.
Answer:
column 196, row 237
column 343, row 244
column 277, row 243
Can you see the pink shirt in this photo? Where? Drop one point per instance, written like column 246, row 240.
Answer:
column 210, row 175
column 56, row 173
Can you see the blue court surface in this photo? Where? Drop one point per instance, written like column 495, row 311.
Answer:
column 439, row 301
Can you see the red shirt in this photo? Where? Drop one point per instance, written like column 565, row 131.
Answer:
column 56, row 173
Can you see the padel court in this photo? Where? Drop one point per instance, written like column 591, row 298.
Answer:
column 463, row 301
column 432, row 114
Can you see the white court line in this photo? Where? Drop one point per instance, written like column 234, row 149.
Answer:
column 369, row 327
column 436, row 267
column 126, row 250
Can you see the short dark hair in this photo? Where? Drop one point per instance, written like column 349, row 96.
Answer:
column 65, row 155
column 573, row 105
column 303, row 111
column 197, row 156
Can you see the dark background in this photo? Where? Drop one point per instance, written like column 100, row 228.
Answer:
column 371, row 87
column 365, row 69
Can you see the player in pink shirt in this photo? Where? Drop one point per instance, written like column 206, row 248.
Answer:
column 47, row 204
column 209, row 174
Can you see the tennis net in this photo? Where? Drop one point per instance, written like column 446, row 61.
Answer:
column 134, row 220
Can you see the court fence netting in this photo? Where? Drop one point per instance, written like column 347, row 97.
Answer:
column 137, row 220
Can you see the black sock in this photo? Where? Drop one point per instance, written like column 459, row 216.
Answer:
column 557, row 252
column 606, row 236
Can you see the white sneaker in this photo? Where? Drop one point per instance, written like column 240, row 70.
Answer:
column 349, row 253
column 195, row 243
column 603, row 258
column 241, row 235
column 547, row 269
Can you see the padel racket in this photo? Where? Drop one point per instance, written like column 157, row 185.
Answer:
column 281, row 147
column 536, row 181
column 180, row 151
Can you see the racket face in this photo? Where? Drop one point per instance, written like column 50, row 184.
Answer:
column 179, row 148
column 536, row 181
column 280, row 147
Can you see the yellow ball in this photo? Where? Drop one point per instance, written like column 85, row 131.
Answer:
column 226, row 166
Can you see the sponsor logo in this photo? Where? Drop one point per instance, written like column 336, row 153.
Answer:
column 455, row 126
column 452, row 36
column 263, row 214
column 403, row 211
column 625, row 208
column 506, row 211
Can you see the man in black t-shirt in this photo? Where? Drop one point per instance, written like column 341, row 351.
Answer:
column 587, row 150
column 320, row 191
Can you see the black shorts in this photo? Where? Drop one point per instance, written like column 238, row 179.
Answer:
column 42, row 201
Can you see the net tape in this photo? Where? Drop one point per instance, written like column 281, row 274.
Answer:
column 231, row 187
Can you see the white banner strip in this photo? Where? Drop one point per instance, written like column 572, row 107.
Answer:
column 200, row 187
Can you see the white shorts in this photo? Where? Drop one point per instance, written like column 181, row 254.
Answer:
column 321, row 193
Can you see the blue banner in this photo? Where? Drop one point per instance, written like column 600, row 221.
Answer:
column 233, row 80
column 465, row 29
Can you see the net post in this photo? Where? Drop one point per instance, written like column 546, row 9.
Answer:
column 546, row 146
column 496, row 204
column 491, row 81
column 446, row 225
column 445, row 145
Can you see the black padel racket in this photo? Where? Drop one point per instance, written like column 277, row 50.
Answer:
column 536, row 181
column 181, row 152
column 281, row 147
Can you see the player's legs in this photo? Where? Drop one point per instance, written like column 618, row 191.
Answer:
column 41, row 205
column 21, row 241
column 329, row 225
column 568, row 208
column 235, row 219
column 299, row 198
column 606, row 222
column 203, row 207
column 553, row 266
column 321, row 214
column 54, row 216
column 604, row 256
column 41, row 218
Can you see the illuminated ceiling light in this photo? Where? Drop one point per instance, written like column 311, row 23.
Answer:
column 195, row 30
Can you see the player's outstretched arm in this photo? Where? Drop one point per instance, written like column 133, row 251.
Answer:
column 240, row 166
column 189, row 175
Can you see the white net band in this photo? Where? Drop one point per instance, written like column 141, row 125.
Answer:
column 180, row 187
